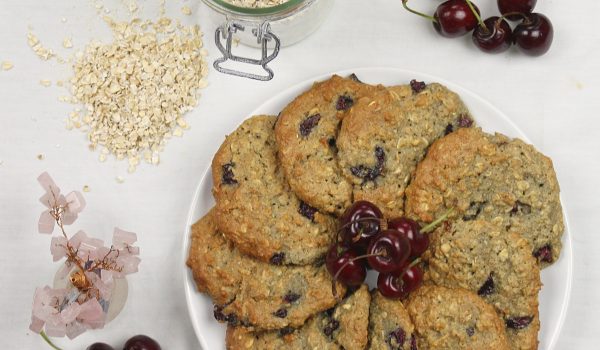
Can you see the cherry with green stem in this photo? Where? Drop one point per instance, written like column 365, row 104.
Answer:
column 452, row 18
column 399, row 284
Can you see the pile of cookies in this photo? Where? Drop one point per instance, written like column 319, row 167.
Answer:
column 281, row 181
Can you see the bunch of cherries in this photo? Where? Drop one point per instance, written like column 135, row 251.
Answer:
column 533, row 35
column 394, row 252
column 138, row 342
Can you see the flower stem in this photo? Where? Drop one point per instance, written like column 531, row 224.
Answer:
column 45, row 337
column 432, row 225
column 431, row 18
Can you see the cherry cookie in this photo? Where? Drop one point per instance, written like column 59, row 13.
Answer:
column 491, row 177
column 256, row 208
column 250, row 292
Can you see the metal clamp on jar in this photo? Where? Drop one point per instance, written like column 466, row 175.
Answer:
column 267, row 28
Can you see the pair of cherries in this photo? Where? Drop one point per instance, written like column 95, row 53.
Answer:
column 533, row 35
column 393, row 252
column 138, row 342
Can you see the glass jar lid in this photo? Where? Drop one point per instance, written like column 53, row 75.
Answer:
column 282, row 10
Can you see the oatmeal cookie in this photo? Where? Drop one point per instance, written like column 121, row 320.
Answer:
column 256, row 208
column 249, row 292
column 344, row 327
column 307, row 132
column 454, row 319
column 491, row 177
column 479, row 256
column 387, row 133
column 390, row 326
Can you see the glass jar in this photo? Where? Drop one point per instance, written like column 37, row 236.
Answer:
column 267, row 28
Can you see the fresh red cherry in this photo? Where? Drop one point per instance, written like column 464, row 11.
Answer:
column 512, row 7
column 400, row 283
column 534, row 35
column 388, row 251
column 141, row 342
column 343, row 263
column 100, row 346
column 360, row 222
column 454, row 18
column 419, row 242
column 494, row 36
column 412, row 278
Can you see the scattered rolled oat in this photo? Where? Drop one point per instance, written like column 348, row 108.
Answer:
column 40, row 156
column 120, row 179
column 186, row 10
column 7, row 65
column 67, row 43
column 37, row 47
column 86, row 188
column 45, row 82
column 137, row 88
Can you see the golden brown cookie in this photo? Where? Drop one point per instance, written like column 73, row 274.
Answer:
column 249, row 292
column 256, row 208
column 491, row 177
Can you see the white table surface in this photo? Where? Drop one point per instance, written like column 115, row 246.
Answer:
column 554, row 99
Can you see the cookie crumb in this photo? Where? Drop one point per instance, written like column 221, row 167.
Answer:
column 40, row 156
column 45, row 82
column 186, row 10
column 86, row 188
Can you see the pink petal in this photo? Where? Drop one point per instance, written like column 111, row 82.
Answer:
column 58, row 247
column 70, row 312
column 68, row 218
column 129, row 264
column 123, row 238
column 36, row 324
column 75, row 202
column 56, row 330
column 75, row 329
column 77, row 238
column 48, row 184
column 92, row 315
column 46, row 222
column 88, row 249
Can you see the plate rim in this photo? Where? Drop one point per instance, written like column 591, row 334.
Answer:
column 190, row 288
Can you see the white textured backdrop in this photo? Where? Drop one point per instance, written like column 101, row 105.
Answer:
column 554, row 99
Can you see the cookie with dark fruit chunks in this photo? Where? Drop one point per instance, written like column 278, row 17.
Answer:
column 343, row 327
column 449, row 319
column 387, row 133
column 307, row 132
column 479, row 256
column 491, row 177
column 256, row 208
column 390, row 326
column 250, row 292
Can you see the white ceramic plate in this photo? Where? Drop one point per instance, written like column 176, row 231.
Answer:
column 554, row 297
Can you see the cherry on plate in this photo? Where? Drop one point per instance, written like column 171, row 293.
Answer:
column 359, row 223
column 534, row 35
column 388, row 251
column 419, row 242
column 353, row 271
column 141, row 342
column 400, row 283
column 454, row 18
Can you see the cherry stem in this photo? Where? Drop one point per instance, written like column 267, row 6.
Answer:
column 431, row 18
column 45, row 337
column 432, row 225
column 481, row 24
column 337, row 274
